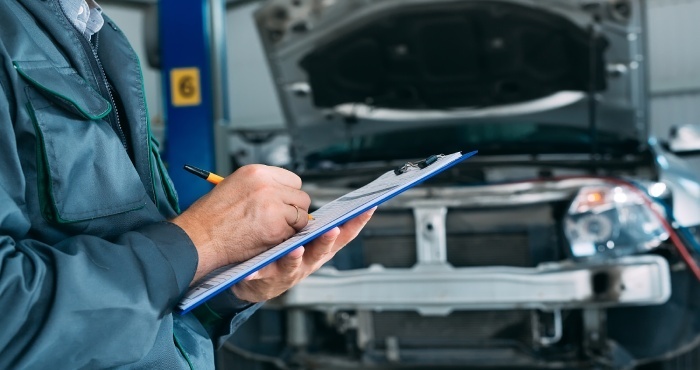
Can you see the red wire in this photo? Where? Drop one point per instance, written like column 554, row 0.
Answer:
column 677, row 242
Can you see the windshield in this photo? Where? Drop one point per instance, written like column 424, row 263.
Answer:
column 489, row 138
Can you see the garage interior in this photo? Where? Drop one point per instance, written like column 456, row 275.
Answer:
column 571, row 241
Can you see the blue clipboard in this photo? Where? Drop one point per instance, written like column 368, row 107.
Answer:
column 333, row 214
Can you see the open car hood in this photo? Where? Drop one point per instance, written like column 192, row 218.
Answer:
column 349, row 68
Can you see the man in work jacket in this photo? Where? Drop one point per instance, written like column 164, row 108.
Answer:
column 94, row 254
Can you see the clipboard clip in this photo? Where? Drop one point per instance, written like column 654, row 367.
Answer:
column 410, row 166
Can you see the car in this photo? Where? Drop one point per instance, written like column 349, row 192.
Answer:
column 570, row 241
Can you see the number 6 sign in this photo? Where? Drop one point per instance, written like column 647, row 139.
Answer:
column 185, row 87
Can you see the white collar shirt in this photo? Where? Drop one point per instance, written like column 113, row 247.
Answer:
column 85, row 15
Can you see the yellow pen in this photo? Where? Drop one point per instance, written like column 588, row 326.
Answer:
column 211, row 177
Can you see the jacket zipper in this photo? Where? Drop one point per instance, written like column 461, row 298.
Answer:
column 120, row 129
column 104, row 86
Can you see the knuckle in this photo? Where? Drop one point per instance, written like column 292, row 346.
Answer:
column 254, row 169
column 297, row 180
column 293, row 177
column 307, row 200
column 255, row 174
column 247, row 170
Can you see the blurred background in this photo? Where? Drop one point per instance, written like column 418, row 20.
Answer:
column 569, row 242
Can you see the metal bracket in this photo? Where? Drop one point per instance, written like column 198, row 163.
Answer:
column 431, row 234
column 556, row 324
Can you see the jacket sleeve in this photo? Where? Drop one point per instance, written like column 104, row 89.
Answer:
column 223, row 314
column 87, row 301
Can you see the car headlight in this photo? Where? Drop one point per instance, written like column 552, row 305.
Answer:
column 612, row 221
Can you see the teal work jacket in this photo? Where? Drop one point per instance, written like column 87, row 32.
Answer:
column 90, row 268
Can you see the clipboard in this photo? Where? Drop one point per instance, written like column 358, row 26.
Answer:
column 333, row 214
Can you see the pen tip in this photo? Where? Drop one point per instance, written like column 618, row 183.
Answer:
column 196, row 171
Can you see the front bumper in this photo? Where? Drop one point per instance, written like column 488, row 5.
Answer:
column 440, row 289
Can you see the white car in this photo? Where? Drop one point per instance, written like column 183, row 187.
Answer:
column 568, row 242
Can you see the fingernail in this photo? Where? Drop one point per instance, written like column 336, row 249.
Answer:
column 371, row 211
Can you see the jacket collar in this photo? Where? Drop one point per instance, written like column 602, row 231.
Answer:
column 49, row 15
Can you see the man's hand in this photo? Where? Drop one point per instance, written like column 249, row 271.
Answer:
column 276, row 278
column 250, row 211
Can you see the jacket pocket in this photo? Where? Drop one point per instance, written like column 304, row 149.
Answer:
column 83, row 169
column 165, row 181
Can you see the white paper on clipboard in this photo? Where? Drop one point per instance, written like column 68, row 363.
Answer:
column 327, row 217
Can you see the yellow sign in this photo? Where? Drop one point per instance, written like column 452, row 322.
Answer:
column 185, row 87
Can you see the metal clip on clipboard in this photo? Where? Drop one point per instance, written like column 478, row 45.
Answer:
column 410, row 166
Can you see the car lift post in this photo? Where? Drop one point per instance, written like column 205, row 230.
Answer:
column 193, row 57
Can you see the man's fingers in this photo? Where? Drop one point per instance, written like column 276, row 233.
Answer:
column 321, row 248
column 277, row 277
column 286, row 264
column 290, row 262
column 297, row 217
column 350, row 229
column 294, row 196
column 292, row 214
column 285, row 177
column 303, row 219
column 297, row 214
column 254, row 276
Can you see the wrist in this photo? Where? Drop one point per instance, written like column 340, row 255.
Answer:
column 206, row 249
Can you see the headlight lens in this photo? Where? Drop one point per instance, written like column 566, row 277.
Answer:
column 611, row 221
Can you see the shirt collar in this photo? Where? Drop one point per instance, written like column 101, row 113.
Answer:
column 85, row 15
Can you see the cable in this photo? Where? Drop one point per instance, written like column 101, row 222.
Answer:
column 687, row 235
column 248, row 355
column 673, row 235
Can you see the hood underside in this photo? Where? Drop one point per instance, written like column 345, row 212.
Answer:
column 348, row 69
column 462, row 54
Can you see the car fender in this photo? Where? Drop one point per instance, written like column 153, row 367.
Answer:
column 683, row 182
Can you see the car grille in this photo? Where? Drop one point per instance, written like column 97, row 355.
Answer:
column 460, row 328
column 522, row 237
column 390, row 251
column 489, row 250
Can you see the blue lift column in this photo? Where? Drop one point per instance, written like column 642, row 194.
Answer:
column 186, row 63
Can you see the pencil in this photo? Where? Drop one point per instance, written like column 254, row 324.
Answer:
column 211, row 177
